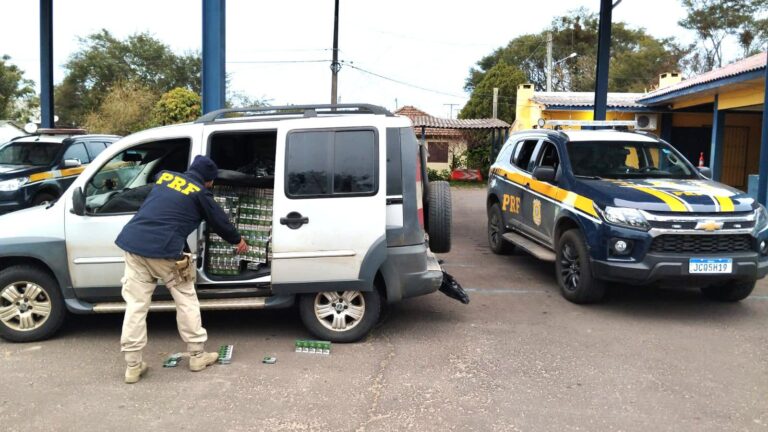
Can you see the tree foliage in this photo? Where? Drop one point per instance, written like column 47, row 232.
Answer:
column 103, row 60
column 504, row 77
column 637, row 58
column 714, row 21
column 178, row 106
column 17, row 94
column 127, row 107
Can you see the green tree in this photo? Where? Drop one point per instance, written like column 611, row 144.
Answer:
column 504, row 77
column 17, row 94
column 127, row 107
column 103, row 60
column 178, row 106
column 715, row 21
column 480, row 105
column 637, row 58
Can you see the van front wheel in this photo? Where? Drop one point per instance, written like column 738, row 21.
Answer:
column 340, row 316
column 31, row 306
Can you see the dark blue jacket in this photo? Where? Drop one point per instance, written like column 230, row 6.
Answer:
column 171, row 212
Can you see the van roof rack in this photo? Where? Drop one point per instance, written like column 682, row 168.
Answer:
column 294, row 110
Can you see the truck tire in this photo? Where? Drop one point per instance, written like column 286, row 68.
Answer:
column 31, row 304
column 439, row 217
column 573, row 271
column 497, row 244
column 340, row 316
column 731, row 291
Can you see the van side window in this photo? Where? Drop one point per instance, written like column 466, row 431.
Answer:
column 331, row 164
column 523, row 153
column 122, row 184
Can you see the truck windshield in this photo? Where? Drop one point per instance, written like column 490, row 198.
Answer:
column 29, row 153
column 628, row 159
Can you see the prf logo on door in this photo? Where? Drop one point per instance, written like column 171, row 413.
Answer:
column 510, row 203
column 537, row 212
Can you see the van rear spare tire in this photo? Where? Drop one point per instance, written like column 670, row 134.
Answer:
column 439, row 216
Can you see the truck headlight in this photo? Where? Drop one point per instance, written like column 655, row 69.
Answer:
column 13, row 184
column 761, row 218
column 628, row 217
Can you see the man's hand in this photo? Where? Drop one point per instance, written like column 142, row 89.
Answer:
column 241, row 247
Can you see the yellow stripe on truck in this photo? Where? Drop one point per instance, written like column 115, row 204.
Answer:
column 71, row 171
column 674, row 203
column 561, row 195
column 726, row 203
column 41, row 176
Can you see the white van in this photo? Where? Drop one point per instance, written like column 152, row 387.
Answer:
column 330, row 196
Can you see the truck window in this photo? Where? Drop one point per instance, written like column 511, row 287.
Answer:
column 94, row 148
column 548, row 156
column 523, row 153
column 77, row 151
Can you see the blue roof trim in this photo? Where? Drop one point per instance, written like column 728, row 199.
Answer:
column 590, row 108
column 746, row 76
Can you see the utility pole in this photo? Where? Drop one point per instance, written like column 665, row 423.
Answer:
column 451, row 105
column 495, row 102
column 549, row 61
column 335, row 65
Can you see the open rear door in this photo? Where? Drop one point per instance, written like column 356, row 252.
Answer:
column 329, row 229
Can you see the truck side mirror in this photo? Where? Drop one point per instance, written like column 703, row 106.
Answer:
column 78, row 202
column 71, row 163
column 706, row 172
column 544, row 173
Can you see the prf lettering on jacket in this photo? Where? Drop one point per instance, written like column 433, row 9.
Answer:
column 177, row 183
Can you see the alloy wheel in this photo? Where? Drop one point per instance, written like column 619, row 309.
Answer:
column 339, row 311
column 570, row 267
column 24, row 306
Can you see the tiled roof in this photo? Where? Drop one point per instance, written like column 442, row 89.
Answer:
column 749, row 64
column 443, row 123
column 410, row 112
column 586, row 99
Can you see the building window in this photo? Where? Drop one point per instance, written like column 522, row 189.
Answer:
column 438, row 152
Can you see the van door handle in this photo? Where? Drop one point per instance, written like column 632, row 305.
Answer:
column 294, row 220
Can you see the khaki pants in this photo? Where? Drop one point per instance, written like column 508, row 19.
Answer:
column 139, row 282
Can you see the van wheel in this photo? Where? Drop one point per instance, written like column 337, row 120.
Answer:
column 43, row 198
column 574, row 274
column 439, row 217
column 340, row 316
column 31, row 305
column 496, row 230
column 731, row 291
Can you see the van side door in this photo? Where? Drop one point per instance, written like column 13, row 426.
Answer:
column 329, row 223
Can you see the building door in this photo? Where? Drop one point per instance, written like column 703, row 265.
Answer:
column 734, row 164
column 692, row 142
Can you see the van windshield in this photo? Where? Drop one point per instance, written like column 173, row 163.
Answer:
column 29, row 153
column 628, row 159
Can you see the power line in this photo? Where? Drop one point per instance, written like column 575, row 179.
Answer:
column 401, row 82
column 277, row 61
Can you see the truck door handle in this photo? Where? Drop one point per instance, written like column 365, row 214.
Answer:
column 294, row 220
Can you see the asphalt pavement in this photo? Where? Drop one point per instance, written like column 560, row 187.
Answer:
column 517, row 358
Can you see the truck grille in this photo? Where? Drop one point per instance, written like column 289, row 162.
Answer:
column 680, row 243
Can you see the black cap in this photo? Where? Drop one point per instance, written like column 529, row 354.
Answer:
column 205, row 168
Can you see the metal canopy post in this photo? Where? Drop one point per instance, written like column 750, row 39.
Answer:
column 762, row 177
column 603, row 57
column 46, row 63
column 214, row 55
column 716, row 148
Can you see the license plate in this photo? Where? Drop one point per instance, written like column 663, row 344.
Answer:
column 710, row 265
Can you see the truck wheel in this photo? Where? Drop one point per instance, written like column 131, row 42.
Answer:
column 496, row 230
column 731, row 291
column 31, row 305
column 340, row 316
column 43, row 198
column 439, row 217
column 574, row 274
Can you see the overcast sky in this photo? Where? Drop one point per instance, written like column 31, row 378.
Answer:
column 429, row 44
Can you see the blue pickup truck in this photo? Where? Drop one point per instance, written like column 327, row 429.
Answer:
column 606, row 205
column 37, row 168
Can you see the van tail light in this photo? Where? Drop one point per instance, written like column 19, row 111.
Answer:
column 419, row 193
